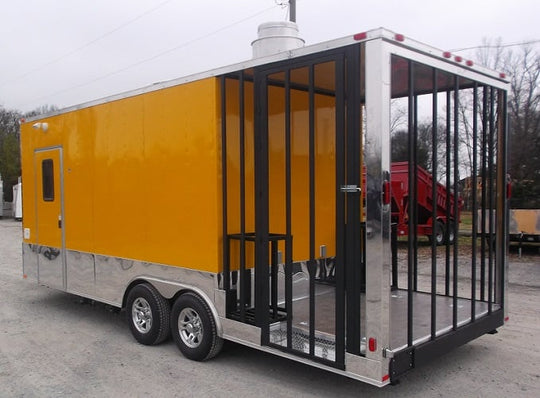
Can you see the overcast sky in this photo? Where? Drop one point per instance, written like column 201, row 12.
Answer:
column 65, row 52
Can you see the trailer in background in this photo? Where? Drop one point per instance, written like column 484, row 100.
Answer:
column 17, row 201
column 260, row 238
column 524, row 225
column 444, row 219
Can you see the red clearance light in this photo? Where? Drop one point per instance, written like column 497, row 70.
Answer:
column 502, row 75
column 372, row 344
column 25, row 276
column 447, row 54
column 399, row 37
column 360, row 36
column 23, row 120
column 386, row 192
column 385, row 377
column 469, row 63
column 506, row 319
column 457, row 58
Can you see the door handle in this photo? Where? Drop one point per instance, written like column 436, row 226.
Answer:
column 59, row 221
column 350, row 188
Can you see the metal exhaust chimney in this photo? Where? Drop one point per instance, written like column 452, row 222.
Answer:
column 275, row 37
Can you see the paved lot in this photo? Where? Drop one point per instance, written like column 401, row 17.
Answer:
column 51, row 344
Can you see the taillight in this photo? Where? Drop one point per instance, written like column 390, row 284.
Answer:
column 372, row 344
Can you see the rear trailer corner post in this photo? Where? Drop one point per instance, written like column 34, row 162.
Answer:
column 378, row 248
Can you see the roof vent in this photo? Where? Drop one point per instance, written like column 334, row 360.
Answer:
column 275, row 37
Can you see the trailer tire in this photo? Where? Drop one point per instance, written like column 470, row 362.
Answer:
column 148, row 314
column 439, row 234
column 194, row 328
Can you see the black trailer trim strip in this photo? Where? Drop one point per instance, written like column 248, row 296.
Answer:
column 419, row 355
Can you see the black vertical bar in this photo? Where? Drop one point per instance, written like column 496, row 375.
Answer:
column 474, row 183
column 490, row 192
column 455, row 210
column 434, row 145
column 288, row 215
column 352, row 212
column 226, row 259
column 312, row 262
column 340, row 211
column 261, row 206
column 414, row 232
column 241, row 107
column 503, row 162
column 411, row 205
column 447, row 199
column 393, row 246
column 484, row 193
column 273, row 279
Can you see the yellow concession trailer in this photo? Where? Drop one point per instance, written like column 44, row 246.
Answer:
column 252, row 203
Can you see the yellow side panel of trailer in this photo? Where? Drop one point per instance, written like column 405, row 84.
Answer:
column 141, row 176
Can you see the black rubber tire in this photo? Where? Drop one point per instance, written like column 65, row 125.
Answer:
column 147, row 299
column 439, row 234
column 190, row 309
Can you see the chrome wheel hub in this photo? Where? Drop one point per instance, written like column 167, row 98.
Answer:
column 190, row 327
column 141, row 314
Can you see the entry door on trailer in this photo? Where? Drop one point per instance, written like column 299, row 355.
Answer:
column 50, row 216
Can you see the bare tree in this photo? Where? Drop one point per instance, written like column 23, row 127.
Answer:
column 522, row 65
column 524, row 110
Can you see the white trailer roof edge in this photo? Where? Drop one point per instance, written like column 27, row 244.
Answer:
column 381, row 33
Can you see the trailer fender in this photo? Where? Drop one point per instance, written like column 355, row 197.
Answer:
column 170, row 289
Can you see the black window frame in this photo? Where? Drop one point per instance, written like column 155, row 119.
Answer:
column 47, row 177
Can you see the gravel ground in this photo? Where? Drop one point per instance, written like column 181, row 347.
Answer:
column 52, row 344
